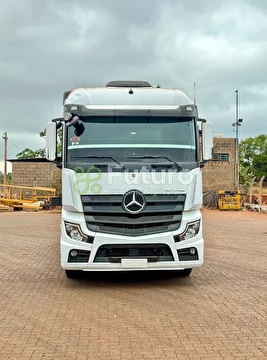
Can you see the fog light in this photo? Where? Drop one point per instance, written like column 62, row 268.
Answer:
column 73, row 253
column 189, row 254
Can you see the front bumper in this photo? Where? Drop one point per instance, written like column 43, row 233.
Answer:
column 132, row 261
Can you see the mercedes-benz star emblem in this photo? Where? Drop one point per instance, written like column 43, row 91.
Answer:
column 133, row 202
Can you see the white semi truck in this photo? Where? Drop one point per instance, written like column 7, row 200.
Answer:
column 131, row 178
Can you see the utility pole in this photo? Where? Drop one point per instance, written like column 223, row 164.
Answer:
column 5, row 157
column 237, row 123
column 236, row 142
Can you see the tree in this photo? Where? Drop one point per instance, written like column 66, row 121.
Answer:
column 31, row 154
column 245, row 176
column 40, row 153
column 253, row 157
column 8, row 178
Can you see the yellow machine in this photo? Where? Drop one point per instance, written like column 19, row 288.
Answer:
column 229, row 200
column 24, row 196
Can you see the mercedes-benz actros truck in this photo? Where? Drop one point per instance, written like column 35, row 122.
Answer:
column 131, row 163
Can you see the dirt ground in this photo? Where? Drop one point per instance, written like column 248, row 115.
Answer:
column 219, row 312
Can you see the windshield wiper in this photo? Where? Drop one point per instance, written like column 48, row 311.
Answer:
column 179, row 168
column 102, row 157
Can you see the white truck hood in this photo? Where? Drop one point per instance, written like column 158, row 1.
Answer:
column 183, row 182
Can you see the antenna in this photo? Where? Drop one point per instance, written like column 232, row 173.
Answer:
column 5, row 157
column 194, row 93
column 131, row 90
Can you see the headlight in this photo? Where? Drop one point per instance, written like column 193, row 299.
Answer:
column 75, row 233
column 192, row 229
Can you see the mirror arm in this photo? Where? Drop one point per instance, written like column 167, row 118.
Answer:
column 58, row 162
column 202, row 163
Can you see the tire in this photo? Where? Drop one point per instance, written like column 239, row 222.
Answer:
column 184, row 273
column 16, row 208
column 73, row 274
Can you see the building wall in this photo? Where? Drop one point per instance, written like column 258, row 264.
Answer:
column 45, row 174
column 219, row 174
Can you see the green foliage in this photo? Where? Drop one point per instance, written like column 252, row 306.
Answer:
column 8, row 178
column 245, row 177
column 253, row 158
column 31, row 154
column 42, row 133
column 59, row 142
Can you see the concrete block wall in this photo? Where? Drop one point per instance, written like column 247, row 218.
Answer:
column 28, row 173
column 220, row 175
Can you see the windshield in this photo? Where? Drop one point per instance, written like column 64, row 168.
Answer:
column 127, row 137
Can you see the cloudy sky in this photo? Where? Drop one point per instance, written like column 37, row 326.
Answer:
column 50, row 46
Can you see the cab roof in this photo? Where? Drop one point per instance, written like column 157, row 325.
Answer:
column 118, row 93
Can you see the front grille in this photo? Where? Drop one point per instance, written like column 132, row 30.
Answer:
column 104, row 213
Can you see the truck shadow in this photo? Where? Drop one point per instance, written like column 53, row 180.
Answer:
column 127, row 277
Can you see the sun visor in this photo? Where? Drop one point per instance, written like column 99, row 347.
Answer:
column 111, row 96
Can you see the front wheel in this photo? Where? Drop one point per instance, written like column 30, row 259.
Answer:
column 184, row 273
column 73, row 274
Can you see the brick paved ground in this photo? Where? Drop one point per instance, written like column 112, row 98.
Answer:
column 219, row 312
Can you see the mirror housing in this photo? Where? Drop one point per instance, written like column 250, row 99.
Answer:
column 207, row 141
column 51, row 141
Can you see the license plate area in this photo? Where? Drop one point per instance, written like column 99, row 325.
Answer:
column 133, row 263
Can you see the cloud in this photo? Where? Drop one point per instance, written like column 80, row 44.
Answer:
column 48, row 47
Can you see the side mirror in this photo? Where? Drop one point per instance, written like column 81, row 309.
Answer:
column 51, row 141
column 207, row 141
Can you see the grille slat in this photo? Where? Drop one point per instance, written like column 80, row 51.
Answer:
column 118, row 198
column 105, row 213
column 118, row 209
column 140, row 220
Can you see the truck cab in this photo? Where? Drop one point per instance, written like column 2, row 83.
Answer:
column 131, row 178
